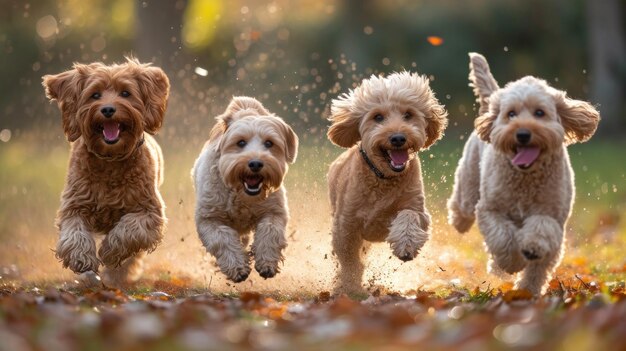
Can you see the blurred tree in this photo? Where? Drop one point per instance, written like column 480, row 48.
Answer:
column 607, row 52
column 158, row 33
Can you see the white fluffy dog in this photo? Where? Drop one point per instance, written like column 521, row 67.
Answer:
column 515, row 176
column 238, row 181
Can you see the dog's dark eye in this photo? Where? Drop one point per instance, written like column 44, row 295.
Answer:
column 96, row 96
column 241, row 143
column 379, row 118
column 512, row 114
column 268, row 144
column 408, row 115
column 539, row 113
column 124, row 94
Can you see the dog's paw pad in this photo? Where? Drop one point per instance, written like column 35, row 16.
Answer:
column 240, row 274
column 406, row 256
column 267, row 272
column 530, row 254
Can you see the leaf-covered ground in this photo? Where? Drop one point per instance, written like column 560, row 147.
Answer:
column 577, row 313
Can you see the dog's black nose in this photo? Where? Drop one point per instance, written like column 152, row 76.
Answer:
column 523, row 136
column 397, row 140
column 255, row 165
column 108, row 111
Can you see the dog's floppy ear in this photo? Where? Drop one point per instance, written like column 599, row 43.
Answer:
column 344, row 130
column 155, row 89
column 481, row 80
column 484, row 123
column 437, row 123
column 291, row 142
column 579, row 118
column 65, row 88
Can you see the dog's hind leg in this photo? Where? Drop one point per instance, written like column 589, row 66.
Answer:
column 223, row 242
column 269, row 242
column 348, row 248
column 466, row 193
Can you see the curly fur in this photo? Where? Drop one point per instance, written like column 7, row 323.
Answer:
column 365, row 207
column 521, row 212
column 225, row 213
column 111, row 188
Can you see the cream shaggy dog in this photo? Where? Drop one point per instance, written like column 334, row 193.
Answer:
column 238, row 179
column 115, row 166
column 515, row 176
column 375, row 186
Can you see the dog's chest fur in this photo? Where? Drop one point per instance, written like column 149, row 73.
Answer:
column 236, row 209
column 371, row 204
column 522, row 194
column 103, row 191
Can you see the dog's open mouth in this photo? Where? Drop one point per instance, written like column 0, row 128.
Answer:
column 397, row 158
column 525, row 156
column 111, row 131
column 252, row 184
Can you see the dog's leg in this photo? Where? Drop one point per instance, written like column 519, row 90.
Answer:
column 76, row 247
column 541, row 242
column 135, row 232
column 269, row 242
column 224, row 244
column 466, row 193
column 499, row 234
column 128, row 272
column 408, row 233
column 348, row 248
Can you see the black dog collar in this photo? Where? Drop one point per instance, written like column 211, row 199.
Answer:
column 376, row 171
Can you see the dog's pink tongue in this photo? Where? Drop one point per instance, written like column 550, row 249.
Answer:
column 111, row 130
column 399, row 157
column 525, row 155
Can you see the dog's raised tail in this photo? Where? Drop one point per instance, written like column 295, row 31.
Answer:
column 481, row 80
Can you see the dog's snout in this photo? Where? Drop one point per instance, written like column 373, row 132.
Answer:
column 523, row 136
column 255, row 165
column 108, row 111
column 397, row 140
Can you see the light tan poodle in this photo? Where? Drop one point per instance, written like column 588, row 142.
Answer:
column 238, row 179
column 515, row 176
column 375, row 186
column 115, row 166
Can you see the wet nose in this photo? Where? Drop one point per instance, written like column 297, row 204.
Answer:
column 108, row 111
column 255, row 165
column 397, row 140
column 523, row 136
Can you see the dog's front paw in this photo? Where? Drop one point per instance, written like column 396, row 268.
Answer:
column 534, row 250
column 267, row 269
column 80, row 262
column 238, row 274
column 541, row 238
column 113, row 254
column 405, row 252
column 407, row 246
column 530, row 254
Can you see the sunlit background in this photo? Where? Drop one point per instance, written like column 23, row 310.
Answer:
column 296, row 56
